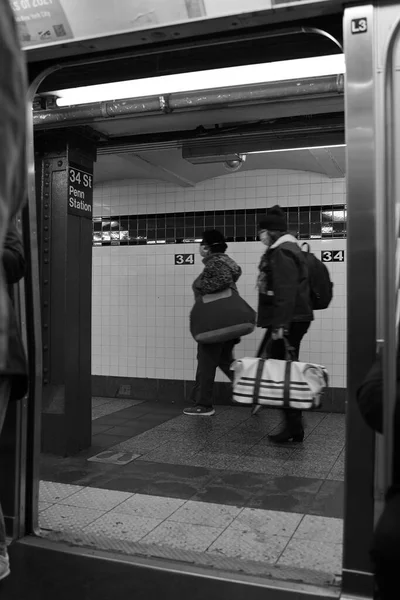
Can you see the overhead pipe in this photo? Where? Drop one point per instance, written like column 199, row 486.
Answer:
column 329, row 85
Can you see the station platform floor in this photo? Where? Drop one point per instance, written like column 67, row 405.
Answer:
column 210, row 491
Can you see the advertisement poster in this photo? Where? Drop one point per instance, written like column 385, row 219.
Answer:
column 41, row 21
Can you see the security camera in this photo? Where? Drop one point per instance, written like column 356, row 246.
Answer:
column 235, row 165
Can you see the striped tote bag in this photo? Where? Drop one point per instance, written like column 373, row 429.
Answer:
column 278, row 383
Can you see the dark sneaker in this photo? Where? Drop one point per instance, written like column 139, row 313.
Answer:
column 4, row 567
column 200, row 411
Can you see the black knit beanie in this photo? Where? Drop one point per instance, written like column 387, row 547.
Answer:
column 274, row 220
column 214, row 239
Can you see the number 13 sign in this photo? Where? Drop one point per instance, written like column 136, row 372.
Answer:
column 332, row 256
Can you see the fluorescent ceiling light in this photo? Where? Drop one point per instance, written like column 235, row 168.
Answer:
column 273, row 150
column 317, row 66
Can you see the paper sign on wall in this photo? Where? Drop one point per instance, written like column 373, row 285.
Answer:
column 41, row 21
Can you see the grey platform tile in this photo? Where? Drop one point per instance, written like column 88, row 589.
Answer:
column 137, row 446
column 205, row 513
column 183, row 535
column 312, row 452
column 70, row 518
column 122, row 527
column 112, row 407
column 322, row 464
column 96, row 498
column 307, row 554
column 151, row 507
column 329, row 501
column 112, row 457
column 44, row 505
column 97, row 401
column 332, row 476
column 209, row 460
column 337, row 471
column 320, row 529
column 266, row 449
column 223, row 446
column 171, row 450
column 270, row 522
column 51, row 491
column 295, row 470
column 249, row 545
column 254, row 464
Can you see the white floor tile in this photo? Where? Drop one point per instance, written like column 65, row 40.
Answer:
column 122, row 527
column 96, row 498
column 67, row 518
column 151, row 507
column 50, row 491
column 206, row 513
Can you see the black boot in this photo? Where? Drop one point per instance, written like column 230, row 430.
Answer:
column 293, row 430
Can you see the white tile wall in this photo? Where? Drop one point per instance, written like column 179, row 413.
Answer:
column 141, row 300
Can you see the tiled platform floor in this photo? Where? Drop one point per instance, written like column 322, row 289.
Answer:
column 215, row 486
column 270, row 537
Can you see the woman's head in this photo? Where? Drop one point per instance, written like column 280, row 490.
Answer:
column 213, row 241
column 272, row 226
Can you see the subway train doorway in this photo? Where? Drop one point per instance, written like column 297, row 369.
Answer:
column 122, row 469
column 214, row 491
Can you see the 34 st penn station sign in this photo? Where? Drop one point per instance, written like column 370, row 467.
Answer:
column 80, row 192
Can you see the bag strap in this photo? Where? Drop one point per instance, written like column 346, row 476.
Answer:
column 286, row 386
column 266, row 350
column 257, row 383
column 307, row 245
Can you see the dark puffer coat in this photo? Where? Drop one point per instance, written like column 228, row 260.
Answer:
column 284, row 291
column 14, row 268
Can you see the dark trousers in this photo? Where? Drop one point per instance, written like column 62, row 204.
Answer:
column 209, row 357
column 277, row 350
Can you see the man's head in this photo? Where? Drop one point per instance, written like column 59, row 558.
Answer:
column 273, row 225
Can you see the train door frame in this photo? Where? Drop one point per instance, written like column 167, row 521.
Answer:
column 358, row 518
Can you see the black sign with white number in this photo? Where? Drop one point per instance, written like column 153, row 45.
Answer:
column 184, row 259
column 359, row 26
column 332, row 256
column 80, row 192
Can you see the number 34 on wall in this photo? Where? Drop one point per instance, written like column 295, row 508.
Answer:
column 184, row 259
column 332, row 256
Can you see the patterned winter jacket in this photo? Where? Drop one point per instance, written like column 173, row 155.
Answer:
column 220, row 272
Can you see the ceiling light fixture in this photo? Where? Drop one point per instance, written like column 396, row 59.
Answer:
column 316, row 66
column 273, row 150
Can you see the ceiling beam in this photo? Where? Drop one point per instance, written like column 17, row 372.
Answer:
column 328, row 163
column 152, row 168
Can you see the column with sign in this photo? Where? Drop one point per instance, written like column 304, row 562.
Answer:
column 65, row 211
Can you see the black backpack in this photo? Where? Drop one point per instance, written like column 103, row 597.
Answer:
column 321, row 286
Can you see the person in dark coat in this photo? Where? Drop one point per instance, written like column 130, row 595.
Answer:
column 385, row 549
column 284, row 303
column 220, row 273
column 13, row 171
column 14, row 377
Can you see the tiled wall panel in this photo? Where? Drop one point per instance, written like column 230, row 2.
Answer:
column 142, row 300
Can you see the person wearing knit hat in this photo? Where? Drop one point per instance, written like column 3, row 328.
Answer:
column 220, row 273
column 274, row 220
column 284, row 303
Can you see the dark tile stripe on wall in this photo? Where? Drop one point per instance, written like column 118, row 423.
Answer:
column 308, row 222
